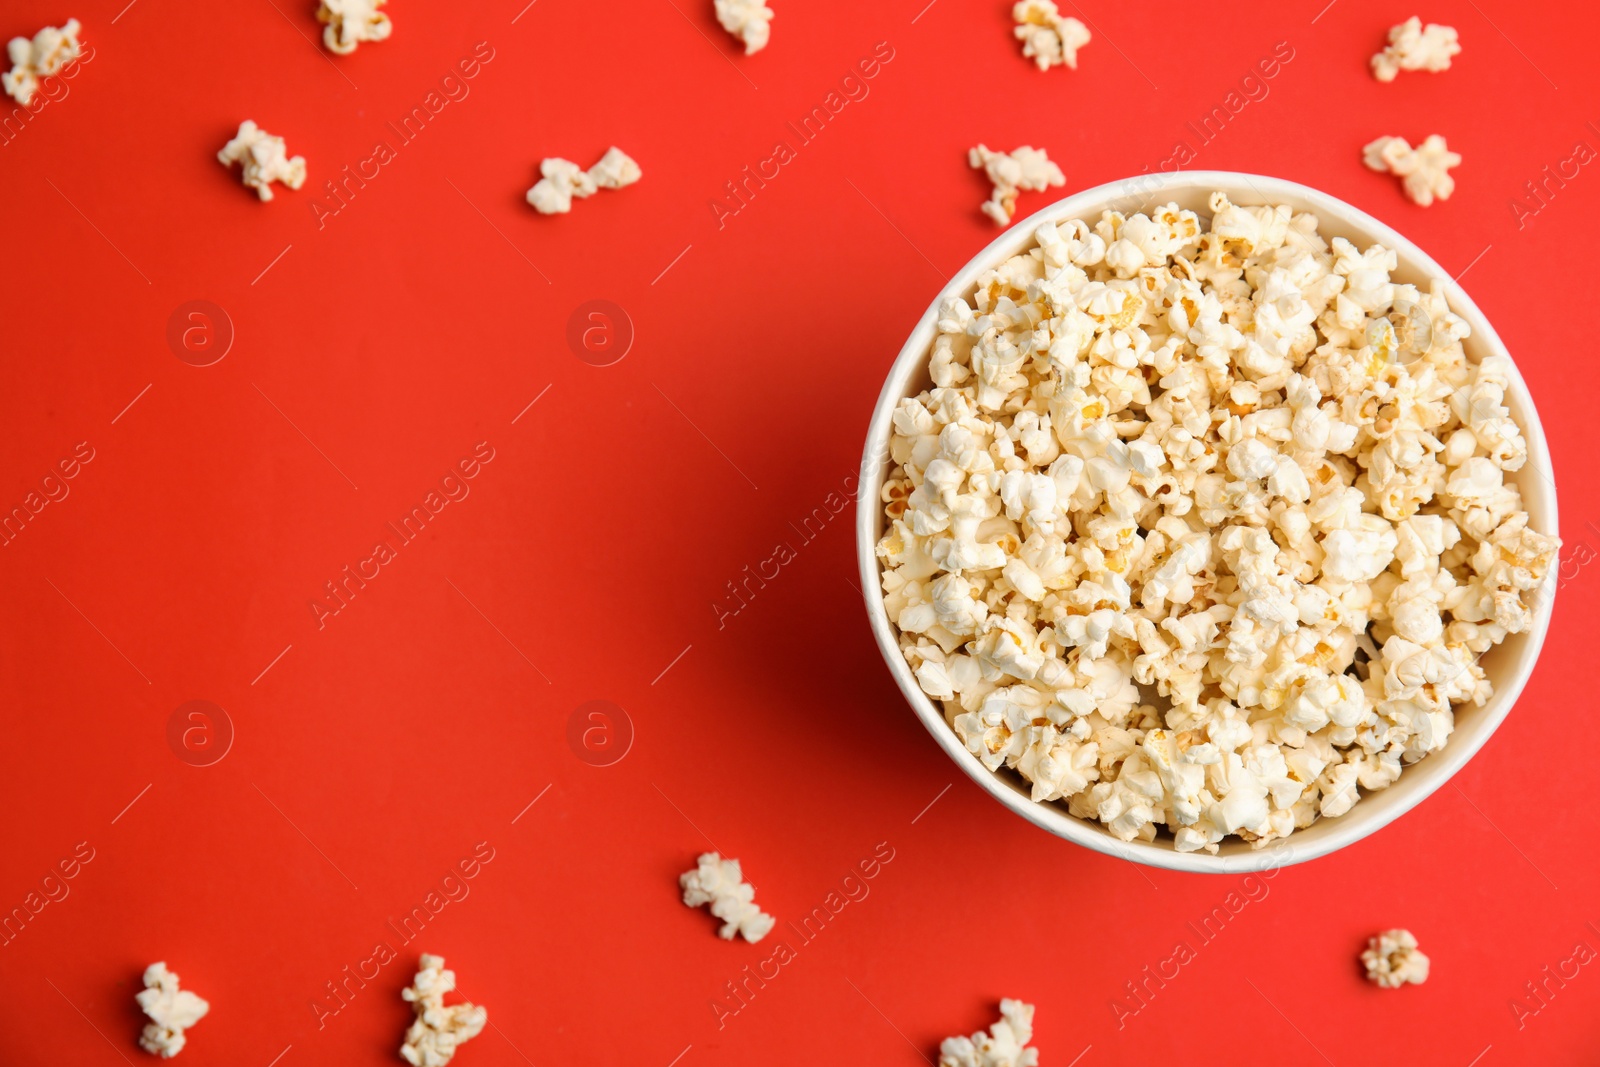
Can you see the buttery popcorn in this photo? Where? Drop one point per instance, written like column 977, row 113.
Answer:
column 171, row 1011
column 438, row 1030
column 721, row 884
column 748, row 20
column 562, row 180
column 1393, row 959
column 1424, row 170
column 1003, row 1046
column 350, row 22
column 1024, row 168
column 264, row 160
column 1411, row 47
column 1203, row 525
column 49, row 51
column 1048, row 38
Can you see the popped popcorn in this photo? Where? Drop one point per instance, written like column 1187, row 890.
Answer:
column 350, row 22
column 560, row 181
column 1393, row 959
column 171, row 1011
column 49, row 51
column 615, row 170
column 1024, row 168
column 721, row 884
column 748, row 20
column 439, row 1030
column 1413, row 47
column 1425, row 170
column 1202, row 526
column 563, row 179
column 263, row 160
column 1005, row 1045
column 1048, row 38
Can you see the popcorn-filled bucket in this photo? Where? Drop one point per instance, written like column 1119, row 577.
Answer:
column 1507, row 665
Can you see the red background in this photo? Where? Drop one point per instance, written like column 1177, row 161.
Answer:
column 422, row 719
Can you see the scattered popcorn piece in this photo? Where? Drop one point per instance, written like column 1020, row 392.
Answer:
column 1411, row 47
column 721, row 884
column 1425, row 170
column 264, row 160
column 1024, row 168
column 615, row 170
column 562, row 180
column 1003, row 1046
column 1393, row 959
column 171, row 1011
column 1203, row 523
column 439, row 1029
column 1048, row 38
column 49, row 51
column 748, row 20
column 350, row 22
